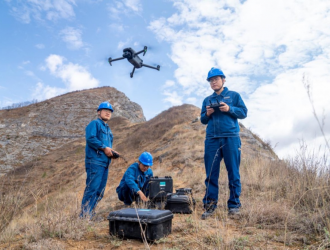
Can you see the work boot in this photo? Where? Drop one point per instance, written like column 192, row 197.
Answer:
column 209, row 210
column 234, row 211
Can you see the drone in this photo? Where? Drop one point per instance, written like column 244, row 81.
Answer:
column 134, row 59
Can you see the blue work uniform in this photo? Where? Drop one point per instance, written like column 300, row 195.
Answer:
column 133, row 181
column 98, row 136
column 223, row 142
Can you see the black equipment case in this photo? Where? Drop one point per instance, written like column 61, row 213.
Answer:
column 181, row 202
column 127, row 223
column 159, row 187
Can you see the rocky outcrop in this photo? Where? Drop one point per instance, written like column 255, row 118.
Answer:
column 254, row 146
column 35, row 130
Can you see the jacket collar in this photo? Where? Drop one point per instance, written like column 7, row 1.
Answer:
column 102, row 122
column 223, row 93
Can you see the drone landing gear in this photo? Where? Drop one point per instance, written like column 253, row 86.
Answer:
column 131, row 74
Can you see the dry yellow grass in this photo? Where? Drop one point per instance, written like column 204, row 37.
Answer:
column 285, row 204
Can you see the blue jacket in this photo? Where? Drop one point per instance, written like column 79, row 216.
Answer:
column 134, row 178
column 98, row 135
column 224, row 124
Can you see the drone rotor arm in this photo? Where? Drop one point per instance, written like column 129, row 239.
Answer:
column 139, row 52
column 151, row 67
column 116, row 59
column 144, row 51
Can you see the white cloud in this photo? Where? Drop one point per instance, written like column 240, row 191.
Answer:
column 72, row 37
column 116, row 27
column 124, row 7
column 263, row 47
column 122, row 44
column 53, row 62
column 41, row 10
column 42, row 92
column 192, row 100
column 74, row 77
column 134, row 5
column 173, row 98
column 40, row 46
column 168, row 83
column 29, row 73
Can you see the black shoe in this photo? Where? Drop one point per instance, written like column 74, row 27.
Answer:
column 234, row 211
column 210, row 210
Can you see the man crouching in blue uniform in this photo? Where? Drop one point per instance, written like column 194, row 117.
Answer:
column 222, row 142
column 98, row 158
column 134, row 183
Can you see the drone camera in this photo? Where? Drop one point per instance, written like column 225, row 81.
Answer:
column 127, row 54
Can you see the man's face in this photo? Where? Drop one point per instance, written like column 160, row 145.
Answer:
column 216, row 83
column 105, row 114
column 143, row 168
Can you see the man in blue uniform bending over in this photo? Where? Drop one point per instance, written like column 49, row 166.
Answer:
column 98, row 158
column 135, row 181
column 222, row 142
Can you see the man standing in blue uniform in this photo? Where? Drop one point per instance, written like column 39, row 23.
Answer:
column 98, row 158
column 222, row 142
column 135, row 181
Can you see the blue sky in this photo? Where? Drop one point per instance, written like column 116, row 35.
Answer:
column 50, row 47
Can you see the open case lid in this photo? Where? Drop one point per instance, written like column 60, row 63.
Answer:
column 151, row 216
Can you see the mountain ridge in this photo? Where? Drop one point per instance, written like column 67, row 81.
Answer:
column 37, row 129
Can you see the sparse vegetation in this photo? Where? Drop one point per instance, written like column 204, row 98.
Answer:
column 285, row 203
column 20, row 104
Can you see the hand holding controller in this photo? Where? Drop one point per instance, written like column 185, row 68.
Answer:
column 216, row 105
column 115, row 155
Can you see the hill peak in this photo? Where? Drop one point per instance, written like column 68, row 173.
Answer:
column 37, row 129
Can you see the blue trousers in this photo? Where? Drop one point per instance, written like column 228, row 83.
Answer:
column 127, row 195
column 216, row 149
column 96, row 181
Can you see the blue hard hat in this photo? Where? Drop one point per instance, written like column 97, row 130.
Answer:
column 105, row 105
column 146, row 159
column 215, row 72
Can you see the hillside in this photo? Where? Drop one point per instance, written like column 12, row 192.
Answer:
column 277, row 213
column 33, row 131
